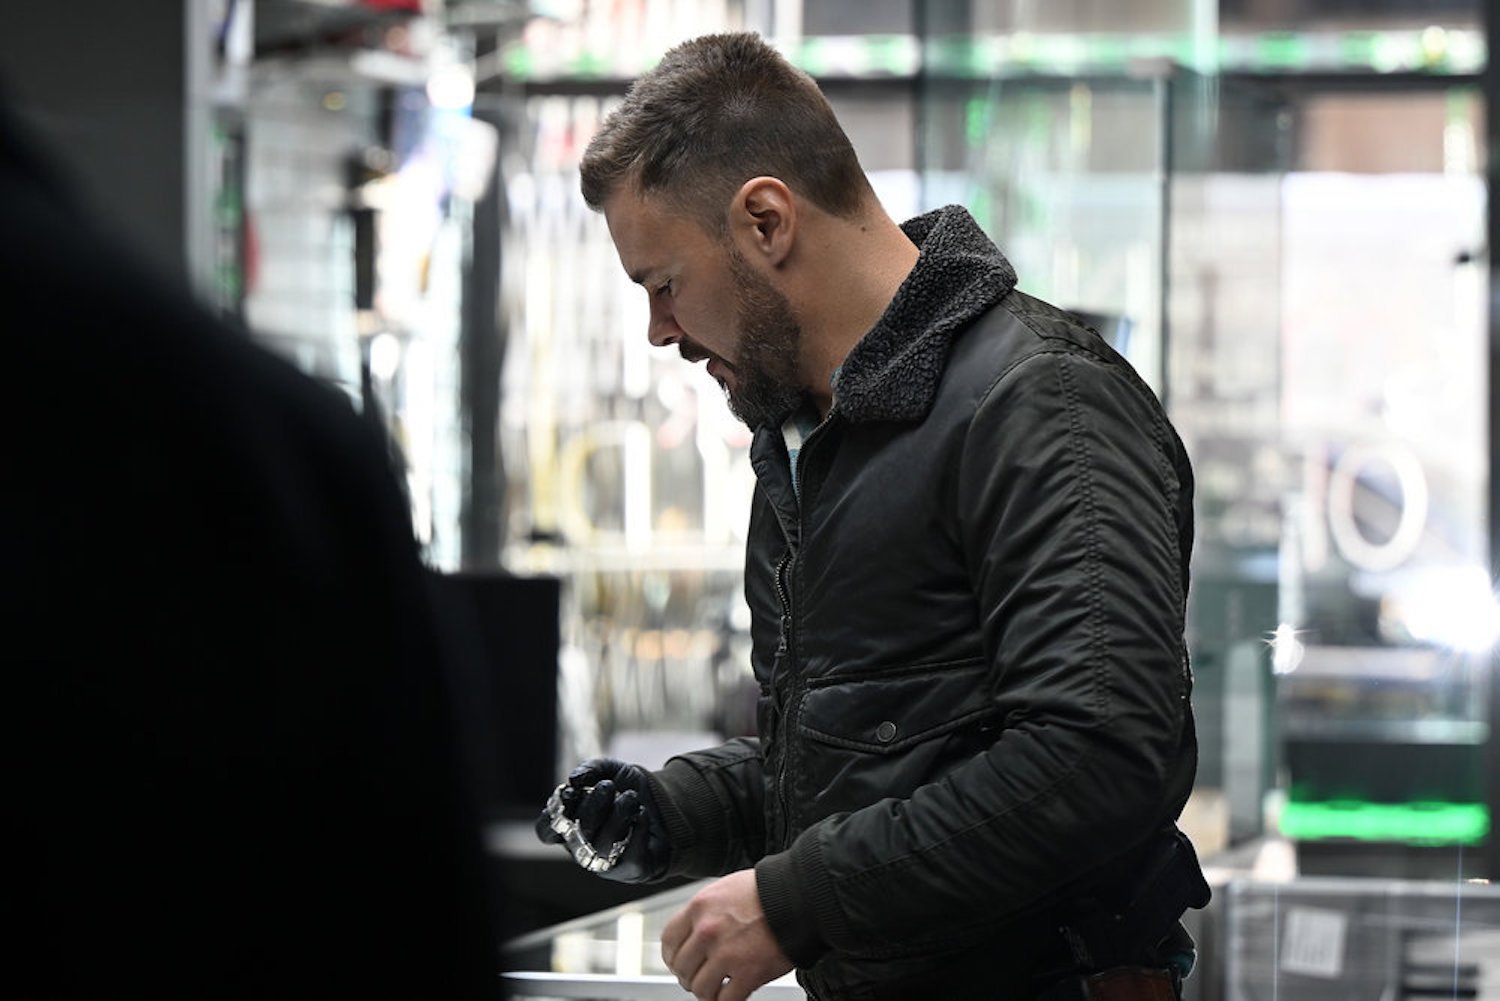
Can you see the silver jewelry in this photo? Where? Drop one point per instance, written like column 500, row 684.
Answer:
column 585, row 854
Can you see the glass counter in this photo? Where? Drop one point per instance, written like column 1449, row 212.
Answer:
column 614, row 955
column 1308, row 938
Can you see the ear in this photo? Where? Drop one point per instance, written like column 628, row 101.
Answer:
column 763, row 220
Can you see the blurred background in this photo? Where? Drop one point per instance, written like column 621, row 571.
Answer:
column 1276, row 209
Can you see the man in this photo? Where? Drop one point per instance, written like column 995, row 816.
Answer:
column 967, row 568
column 233, row 772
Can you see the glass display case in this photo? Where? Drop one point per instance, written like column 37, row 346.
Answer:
column 1318, row 939
column 1328, row 939
column 614, row 955
column 1386, row 610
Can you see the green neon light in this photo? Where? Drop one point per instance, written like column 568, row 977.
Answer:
column 1430, row 50
column 811, row 56
column 1282, row 51
column 1357, row 48
column 1424, row 823
column 956, row 55
column 893, row 54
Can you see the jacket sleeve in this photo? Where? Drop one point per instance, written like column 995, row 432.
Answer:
column 712, row 806
column 1071, row 513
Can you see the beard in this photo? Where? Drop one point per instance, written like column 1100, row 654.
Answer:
column 766, row 387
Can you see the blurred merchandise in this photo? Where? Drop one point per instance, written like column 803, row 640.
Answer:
column 629, row 476
column 348, row 164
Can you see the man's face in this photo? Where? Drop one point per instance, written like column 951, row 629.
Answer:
column 710, row 302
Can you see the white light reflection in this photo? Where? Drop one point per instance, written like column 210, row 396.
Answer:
column 1286, row 649
column 451, row 87
column 630, row 943
column 1453, row 607
column 385, row 356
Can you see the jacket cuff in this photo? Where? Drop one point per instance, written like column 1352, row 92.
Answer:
column 798, row 897
column 680, row 792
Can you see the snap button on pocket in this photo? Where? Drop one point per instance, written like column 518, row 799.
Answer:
column 885, row 732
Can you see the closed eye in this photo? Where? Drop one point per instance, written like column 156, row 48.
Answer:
column 665, row 288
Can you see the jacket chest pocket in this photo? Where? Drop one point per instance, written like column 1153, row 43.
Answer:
column 860, row 740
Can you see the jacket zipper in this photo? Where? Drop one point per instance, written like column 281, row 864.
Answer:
column 782, row 566
column 783, row 821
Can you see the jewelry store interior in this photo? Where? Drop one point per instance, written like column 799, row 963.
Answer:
column 1276, row 210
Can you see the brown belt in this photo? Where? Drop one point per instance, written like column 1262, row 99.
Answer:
column 1119, row 983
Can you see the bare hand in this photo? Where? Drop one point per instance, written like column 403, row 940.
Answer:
column 719, row 946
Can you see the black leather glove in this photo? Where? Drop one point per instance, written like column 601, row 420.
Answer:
column 605, row 816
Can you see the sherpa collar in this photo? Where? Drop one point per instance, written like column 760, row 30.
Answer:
column 893, row 372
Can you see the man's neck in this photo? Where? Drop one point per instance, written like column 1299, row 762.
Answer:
column 855, row 269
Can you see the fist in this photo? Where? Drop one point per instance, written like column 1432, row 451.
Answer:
column 619, row 830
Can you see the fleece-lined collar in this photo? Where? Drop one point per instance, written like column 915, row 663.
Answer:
column 892, row 374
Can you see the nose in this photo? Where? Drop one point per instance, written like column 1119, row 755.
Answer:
column 662, row 329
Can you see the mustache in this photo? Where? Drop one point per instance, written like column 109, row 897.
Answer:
column 692, row 352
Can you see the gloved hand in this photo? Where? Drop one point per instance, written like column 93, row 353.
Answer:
column 609, row 821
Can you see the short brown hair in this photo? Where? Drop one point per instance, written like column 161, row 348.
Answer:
column 717, row 111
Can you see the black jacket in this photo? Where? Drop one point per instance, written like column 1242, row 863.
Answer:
column 968, row 631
